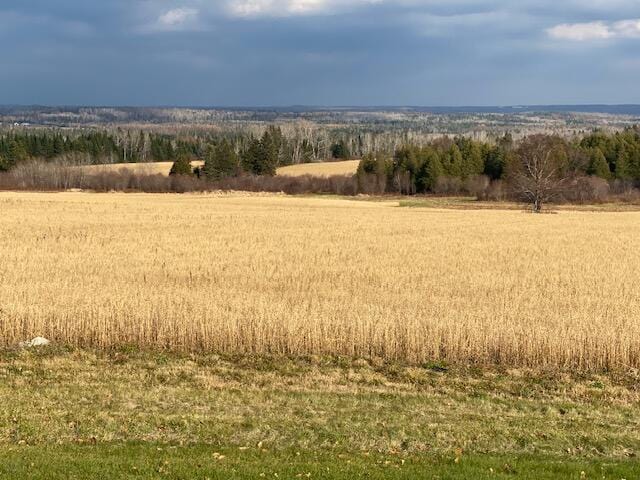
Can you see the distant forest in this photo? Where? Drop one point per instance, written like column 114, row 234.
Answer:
column 300, row 144
column 609, row 156
column 390, row 163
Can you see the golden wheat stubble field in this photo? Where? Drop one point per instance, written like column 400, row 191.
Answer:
column 320, row 169
column 317, row 169
column 141, row 168
column 274, row 274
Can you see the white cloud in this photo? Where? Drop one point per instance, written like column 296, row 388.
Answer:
column 286, row 8
column 177, row 19
column 581, row 32
column 628, row 28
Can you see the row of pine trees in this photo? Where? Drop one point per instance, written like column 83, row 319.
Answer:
column 261, row 157
column 93, row 147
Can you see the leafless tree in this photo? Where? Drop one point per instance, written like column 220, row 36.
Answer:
column 539, row 170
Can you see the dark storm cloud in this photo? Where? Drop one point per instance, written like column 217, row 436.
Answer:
column 268, row 52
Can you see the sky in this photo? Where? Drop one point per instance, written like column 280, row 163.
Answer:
column 319, row 52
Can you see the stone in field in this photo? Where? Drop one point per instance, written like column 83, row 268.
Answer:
column 36, row 342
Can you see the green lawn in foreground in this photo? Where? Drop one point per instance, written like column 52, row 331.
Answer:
column 139, row 461
column 74, row 414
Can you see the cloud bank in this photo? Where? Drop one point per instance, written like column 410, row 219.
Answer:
column 286, row 8
column 600, row 30
column 319, row 52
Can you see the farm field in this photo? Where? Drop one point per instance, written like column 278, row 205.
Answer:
column 148, row 415
column 264, row 336
column 321, row 276
column 320, row 169
column 142, row 168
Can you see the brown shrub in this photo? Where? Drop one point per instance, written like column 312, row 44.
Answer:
column 448, row 186
column 587, row 190
column 478, row 186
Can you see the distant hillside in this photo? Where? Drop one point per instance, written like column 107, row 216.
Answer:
column 387, row 116
column 633, row 110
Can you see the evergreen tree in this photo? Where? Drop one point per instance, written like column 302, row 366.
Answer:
column 270, row 146
column 182, row 166
column 472, row 162
column 340, row 150
column 453, row 165
column 262, row 156
column 405, row 167
column 494, row 162
column 169, row 151
column 373, row 173
column 251, row 157
column 634, row 163
column 58, row 146
column 279, row 143
column 222, row 161
column 623, row 167
column 598, row 165
column 429, row 171
column 16, row 153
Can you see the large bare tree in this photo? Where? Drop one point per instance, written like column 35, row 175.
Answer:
column 539, row 169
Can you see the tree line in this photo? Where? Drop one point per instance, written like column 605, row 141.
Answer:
column 582, row 168
column 438, row 165
column 452, row 165
column 93, row 147
column 260, row 152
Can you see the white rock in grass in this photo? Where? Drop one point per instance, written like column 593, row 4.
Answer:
column 36, row 342
column 39, row 342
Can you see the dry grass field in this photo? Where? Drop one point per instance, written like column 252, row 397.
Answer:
column 324, row 169
column 273, row 274
column 149, row 168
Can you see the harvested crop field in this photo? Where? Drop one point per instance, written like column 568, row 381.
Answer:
column 318, row 169
column 141, row 168
column 299, row 276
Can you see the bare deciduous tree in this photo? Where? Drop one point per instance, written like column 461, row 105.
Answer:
column 539, row 169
